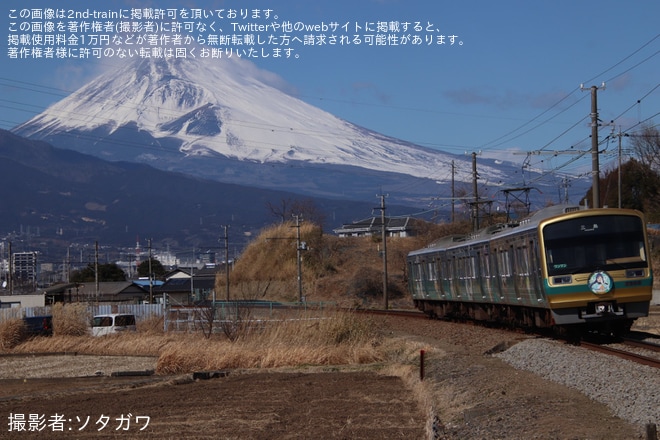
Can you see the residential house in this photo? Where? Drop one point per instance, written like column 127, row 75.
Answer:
column 394, row 227
column 112, row 292
column 187, row 286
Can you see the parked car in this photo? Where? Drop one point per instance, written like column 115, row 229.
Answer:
column 112, row 323
column 39, row 325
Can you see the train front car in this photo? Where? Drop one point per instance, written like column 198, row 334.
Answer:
column 596, row 269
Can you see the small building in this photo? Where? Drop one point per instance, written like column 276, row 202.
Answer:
column 112, row 292
column 30, row 300
column 394, row 227
column 181, row 288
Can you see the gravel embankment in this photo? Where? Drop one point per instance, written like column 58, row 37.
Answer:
column 630, row 390
column 495, row 384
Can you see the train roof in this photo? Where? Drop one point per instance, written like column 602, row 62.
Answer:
column 503, row 229
column 488, row 232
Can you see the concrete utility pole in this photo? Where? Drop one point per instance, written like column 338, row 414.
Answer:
column 10, row 275
column 299, row 248
column 384, row 239
column 192, row 276
column 619, row 135
column 227, row 261
column 595, row 167
column 453, row 195
column 96, row 269
column 151, row 283
column 475, row 217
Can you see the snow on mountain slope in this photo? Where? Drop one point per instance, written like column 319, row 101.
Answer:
column 220, row 107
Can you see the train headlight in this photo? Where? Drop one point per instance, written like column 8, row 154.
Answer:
column 635, row 273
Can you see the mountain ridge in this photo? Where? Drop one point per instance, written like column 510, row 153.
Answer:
column 168, row 112
column 68, row 195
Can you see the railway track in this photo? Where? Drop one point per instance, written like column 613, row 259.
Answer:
column 400, row 313
column 625, row 354
column 633, row 342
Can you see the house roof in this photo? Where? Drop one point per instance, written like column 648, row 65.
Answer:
column 184, row 272
column 111, row 288
column 183, row 284
column 145, row 283
column 373, row 224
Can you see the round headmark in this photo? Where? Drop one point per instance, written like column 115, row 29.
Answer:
column 600, row 282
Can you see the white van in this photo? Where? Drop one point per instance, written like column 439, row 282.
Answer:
column 112, row 323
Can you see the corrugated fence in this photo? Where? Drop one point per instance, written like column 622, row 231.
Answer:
column 141, row 311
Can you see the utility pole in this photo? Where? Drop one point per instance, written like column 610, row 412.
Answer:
column 68, row 264
column 96, row 270
column 475, row 215
column 299, row 248
column 565, row 183
column 619, row 135
column 453, row 195
column 595, row 168
column 192, row 275
column 384, row 239
column 10, row 275
column 151, row 289
column 227, row 261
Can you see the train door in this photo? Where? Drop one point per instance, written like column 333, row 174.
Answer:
column 504, row 263
column 417, row 279
column 447, row 276
column 497, row 293
column 485, row 280
column 432, row 279
column 521, row 272
column 466, row 269
column 454, row 279
column 526, row 271
column 536, row 269
column 439, row 282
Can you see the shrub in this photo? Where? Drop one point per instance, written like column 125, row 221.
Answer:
column 153, row 325
column 70, row 319
column 12, row 333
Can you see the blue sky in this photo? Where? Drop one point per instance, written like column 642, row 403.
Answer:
column 511, row 81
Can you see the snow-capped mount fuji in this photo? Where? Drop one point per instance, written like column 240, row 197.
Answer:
column 220, row 120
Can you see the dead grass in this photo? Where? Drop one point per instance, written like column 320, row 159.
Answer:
column 334, row 338
column 346, row 271
column 12, row 333
column 154, row 325
column 70, row 319
column 125, row 344
column 310, row 338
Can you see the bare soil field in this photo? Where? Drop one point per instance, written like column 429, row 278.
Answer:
column 471, row 394
column 263, row 405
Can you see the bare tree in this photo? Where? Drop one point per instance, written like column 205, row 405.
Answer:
column 235, row 320
column 207, row 318
column 280, row 210
column 235, row 317
column 286, row 208
column 646, row 146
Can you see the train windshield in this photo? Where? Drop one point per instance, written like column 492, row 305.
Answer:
column 585, row 244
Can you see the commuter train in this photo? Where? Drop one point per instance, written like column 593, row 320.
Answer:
column 565, row 267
